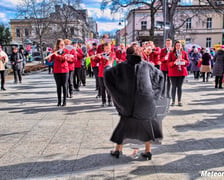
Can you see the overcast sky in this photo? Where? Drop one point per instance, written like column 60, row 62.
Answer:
column 105, row 20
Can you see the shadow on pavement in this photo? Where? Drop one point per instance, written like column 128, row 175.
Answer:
column 60, row 167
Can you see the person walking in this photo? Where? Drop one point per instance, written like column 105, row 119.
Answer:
column 103, row 60
column 177, row 70
column 206, row 65
column 164, row 67
column 95, row 66
column 135, row 86
column 218, row 69
column 78, row 65
column 154, row 54
column 83, row 63
column 17, row 65
column 72, row 58
column 21, row 51
column 60, row 70
column 194, row 58
column 3, row 62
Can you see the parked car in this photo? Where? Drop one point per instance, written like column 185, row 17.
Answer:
column 36, row 56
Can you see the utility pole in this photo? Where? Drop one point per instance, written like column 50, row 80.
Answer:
column 165, row 15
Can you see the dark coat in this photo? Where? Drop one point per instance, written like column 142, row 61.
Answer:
column 218, row 68
column 16, row 61
column 195, row 57
column 136, row 88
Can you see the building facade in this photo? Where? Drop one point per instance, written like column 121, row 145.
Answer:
column 199, row 24
column 65, row 22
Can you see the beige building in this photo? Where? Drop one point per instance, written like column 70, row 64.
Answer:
column 23, row 31
column 201, row 24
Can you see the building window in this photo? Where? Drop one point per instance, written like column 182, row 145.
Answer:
column 144, row 25
column 188, row 23
column 209, row 23
column 188, row 40
column 17, row 32
column 26, row 32
column 208, row 42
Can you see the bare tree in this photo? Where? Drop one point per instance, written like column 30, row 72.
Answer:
column 154, row 6
column 38, row 13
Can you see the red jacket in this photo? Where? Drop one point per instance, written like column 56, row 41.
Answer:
column 121, row 56
column 163, row 61
column 60, row 63
column 72, row 61
column 79, row 58
column 91, row 53
column 173, row 69
column 103, row 63
column 100, row 49
column 154, row 57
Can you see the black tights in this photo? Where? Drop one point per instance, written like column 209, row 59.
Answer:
column 104, row 91
column 166, row 87
column 2, row 73
column 207, row 76
column 177, row 83
column 61, row 82
column 218, row 81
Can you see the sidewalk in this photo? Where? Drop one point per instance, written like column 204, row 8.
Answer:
column 41, row 141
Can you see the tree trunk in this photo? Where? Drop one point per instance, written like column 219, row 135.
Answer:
column 41, row 50
column 152, row 30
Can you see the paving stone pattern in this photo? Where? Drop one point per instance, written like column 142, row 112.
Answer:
column 41, row 141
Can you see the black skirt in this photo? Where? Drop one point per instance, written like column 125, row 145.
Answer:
column 141, row 130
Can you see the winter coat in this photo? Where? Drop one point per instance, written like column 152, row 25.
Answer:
column 79, row 53
column 218, row 69
column 154, row 57
column 136, row 88
column 163, row 54
column 3, row 61
column 92, row 52
column 194, row 58
column 16, row 61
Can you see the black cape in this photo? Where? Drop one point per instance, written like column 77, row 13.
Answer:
column 136, row 88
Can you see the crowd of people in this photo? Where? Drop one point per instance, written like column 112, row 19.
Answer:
column 68, row 61
column 135, row 78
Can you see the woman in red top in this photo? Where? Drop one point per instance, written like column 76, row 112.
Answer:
column 103, row 60
column 61, row 70
column 177, row 70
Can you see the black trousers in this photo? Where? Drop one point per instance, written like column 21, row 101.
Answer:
column 177, row 83
column 50, row 68
column 2, row 73
column 83, row 75
column 218, row 81
column 166, row 88
column 207, row 76
column 77, row 78
column 70, row 83
column 157, row 66
column 96, row 72
column 196, row 74
column 61, row 80
column 103, row 91
column 17, row 74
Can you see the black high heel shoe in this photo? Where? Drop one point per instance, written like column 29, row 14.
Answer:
column 147, row 155
column 116, row 153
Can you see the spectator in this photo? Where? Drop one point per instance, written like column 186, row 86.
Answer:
column 3, row 62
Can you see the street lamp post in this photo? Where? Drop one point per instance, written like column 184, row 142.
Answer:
column 164, row 29
column 125, row 31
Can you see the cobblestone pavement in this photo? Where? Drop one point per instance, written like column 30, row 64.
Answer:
column 41, row 141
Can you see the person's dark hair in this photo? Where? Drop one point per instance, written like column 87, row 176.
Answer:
column 130, row 50
column 174, row 49
column 94, row 44
column 168, row 39
column 105, row 44
column 58, row 42
column 105, row 36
